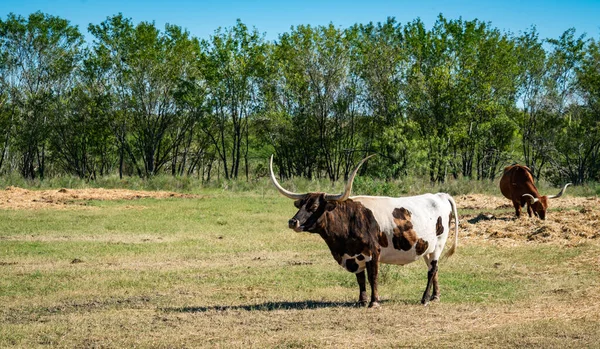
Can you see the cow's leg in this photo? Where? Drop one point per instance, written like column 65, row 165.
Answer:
column 522, row 203
column 436, row 288
column 372, row 271
column 517, row 206
column 362, row 297
column 431, row 282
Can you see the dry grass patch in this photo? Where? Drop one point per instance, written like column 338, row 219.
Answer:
column 19, row 198
column 311, row 324
column 570, row 220
column 489, row 202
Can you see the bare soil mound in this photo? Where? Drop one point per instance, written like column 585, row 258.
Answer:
column 570, row 220
column 19, row 198
column 488, row 202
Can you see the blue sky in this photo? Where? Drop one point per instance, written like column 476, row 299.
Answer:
column 202, row 18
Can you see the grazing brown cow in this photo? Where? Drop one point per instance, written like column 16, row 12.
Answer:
column 517, row 185
column 363, row 231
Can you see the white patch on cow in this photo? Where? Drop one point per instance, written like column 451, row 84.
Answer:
column 361, row 264
column 425, row 210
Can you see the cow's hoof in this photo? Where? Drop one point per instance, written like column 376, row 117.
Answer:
column 435, row 298
column 425, row 302
column 362, row 303
column 374, row 305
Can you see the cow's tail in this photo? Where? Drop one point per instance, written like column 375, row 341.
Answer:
column 452, row 249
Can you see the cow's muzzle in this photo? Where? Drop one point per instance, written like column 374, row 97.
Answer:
column 294, row 224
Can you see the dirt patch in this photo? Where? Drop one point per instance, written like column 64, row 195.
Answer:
column 488, row 202
column 19, row 198
column 570, row 220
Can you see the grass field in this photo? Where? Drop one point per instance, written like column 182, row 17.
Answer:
column 220, row 269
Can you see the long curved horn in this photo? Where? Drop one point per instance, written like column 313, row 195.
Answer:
column 561, row 192
column 348, row 188
column 531, row 199
column 286, row 193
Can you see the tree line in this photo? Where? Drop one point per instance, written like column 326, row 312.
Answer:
column 459, row 99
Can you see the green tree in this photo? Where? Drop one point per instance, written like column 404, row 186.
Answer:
column 147, row 67
column 430, row 92
column 573, row 100
column 6, row 122
column 484, row 75
column 82, row 141
column 232, row 66
column 381, row 62
column 195, row 153
column 534, row 127
column 40, row 55
column 318, row 95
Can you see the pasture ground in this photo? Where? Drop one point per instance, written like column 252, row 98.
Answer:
column 100, row 268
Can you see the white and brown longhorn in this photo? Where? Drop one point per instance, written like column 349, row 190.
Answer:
column 362, row 231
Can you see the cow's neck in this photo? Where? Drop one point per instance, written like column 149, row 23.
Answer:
column 339, row 222
column 347, row 228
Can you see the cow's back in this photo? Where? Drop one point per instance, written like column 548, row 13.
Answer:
column 515, row 181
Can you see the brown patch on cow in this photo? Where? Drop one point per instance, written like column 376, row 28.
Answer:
column 404, row 235
column 402, row 214
column 421, row 246
column 439, row 228
column 382, row 239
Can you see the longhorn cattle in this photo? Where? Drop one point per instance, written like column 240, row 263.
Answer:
column 517, row 185
column 362, row 231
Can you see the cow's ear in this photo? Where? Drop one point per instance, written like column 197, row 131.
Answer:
column 331, row 205
column 298, row 204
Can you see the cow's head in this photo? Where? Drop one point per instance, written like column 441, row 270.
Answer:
column 312, row 206
column 540, row 205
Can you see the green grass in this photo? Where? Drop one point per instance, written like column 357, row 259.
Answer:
column 222, row 270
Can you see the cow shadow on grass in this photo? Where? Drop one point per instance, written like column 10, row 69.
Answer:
column 268, row 306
